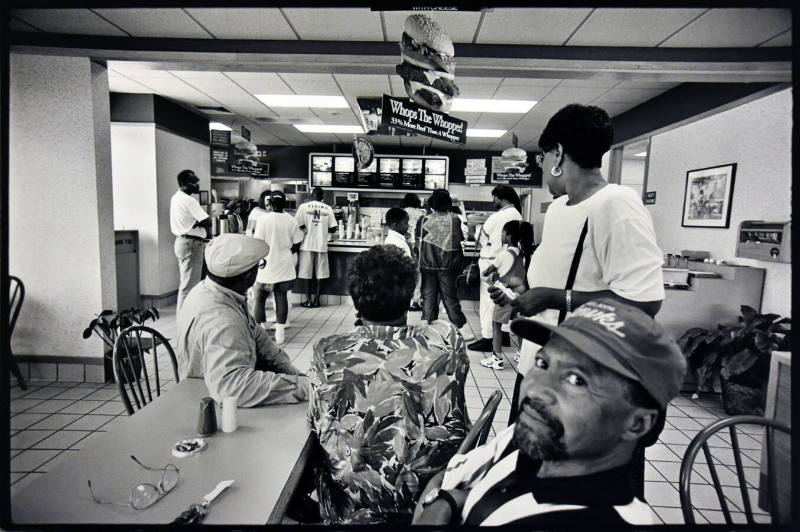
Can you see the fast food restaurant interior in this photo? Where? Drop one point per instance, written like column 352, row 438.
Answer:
column 108, row 105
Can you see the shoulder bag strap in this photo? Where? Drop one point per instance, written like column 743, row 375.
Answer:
column 573, row 268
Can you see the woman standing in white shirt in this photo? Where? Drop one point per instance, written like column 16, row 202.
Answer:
column 283, row 236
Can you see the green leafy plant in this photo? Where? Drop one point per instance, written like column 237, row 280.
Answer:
column 108, row 324
column 739, row 355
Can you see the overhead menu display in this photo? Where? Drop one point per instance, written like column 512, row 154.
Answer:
column 236, row 156
column 530, row 177
column 395, row 172
column 407, row 115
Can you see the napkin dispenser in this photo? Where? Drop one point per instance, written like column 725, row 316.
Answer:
column 769, row 241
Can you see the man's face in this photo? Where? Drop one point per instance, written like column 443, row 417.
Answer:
column 570, row 406
column 192, row 185
column 402, row 226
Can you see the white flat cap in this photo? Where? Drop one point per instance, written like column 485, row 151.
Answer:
column 230, row 254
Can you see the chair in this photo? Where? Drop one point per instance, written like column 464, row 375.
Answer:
column 16, row 295
column 479, row 432
column 131, row 367
column 700, row 441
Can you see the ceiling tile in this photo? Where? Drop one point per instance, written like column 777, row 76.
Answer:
column 119, row 83
column 297, row 114
column 177, row 90
column 636, row 84
column 398, row 89
column 224, row 90
column 155, row 22
column 81, row 21
column 260, row 82
column 15, row 24
column 460, row 26
column 338, row 117
column 471, row 118
column 732, row 27
column 335, row 24
column 244, row 23
column 474, row 87
column 312, row 84
column 595, row 81
column 496, row 121
column 631, row 26
column 547, row 26
column 782, row 39
column 574, row 94
column 521, row 92
column 628, row 95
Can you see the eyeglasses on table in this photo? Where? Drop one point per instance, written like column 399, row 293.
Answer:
column 145, row 495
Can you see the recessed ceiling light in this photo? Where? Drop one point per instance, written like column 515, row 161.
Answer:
column 322, row 128
column 300, row 100
column 640, row 154
column 488, row 133
column 492, row 106
column 218, row 125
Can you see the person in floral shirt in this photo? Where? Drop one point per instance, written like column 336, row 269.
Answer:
column 387, row 400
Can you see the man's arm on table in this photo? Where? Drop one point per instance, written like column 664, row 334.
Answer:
column 438, row 512
column 540, row 298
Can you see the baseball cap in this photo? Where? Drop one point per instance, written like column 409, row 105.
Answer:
column 622, row 338
column 230, row 254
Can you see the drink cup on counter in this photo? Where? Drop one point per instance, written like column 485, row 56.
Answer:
column 207, row 419
column 229, row 420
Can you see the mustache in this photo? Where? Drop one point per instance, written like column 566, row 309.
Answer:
column 539, row 407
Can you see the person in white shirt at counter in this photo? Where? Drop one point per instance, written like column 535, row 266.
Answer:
column 397, row 224
column 316, row 220
column 219, row 341
column 280, row 231
column 190, row 223
column 260, row 210
column 490, row 238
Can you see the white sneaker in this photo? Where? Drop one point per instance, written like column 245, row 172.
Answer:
column 280, row 334
column 493, row 362
column 271, row 318
column 466, row 333
column 285, row 325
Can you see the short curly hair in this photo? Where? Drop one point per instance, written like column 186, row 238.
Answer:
column 584, row 131
column 381, row 282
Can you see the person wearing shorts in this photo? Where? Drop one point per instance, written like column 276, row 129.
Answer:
column 317, row 220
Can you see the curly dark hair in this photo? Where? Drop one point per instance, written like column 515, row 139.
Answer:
column 185, row 177
column 381, row 282
column 395, row 215
column 440, row 200
column 584, row 131
column 410, row 200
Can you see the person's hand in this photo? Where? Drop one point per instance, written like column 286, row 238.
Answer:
column 439, row 512
column 498, row 297
column 535, row 301
column 303, row 388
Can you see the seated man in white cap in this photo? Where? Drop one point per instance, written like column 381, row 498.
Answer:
column 219, row 340
column 594, row 390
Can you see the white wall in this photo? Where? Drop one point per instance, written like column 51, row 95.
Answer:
column 632, row 174
column 60, row 205
column 133, row 156
column 756, row 136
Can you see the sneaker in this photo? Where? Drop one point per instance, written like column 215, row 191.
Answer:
column 466, row 333
column 493, row 361
column 484, row 344
column 280, row 334
column 275, row 324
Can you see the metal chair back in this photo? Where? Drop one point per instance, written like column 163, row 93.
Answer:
column 479, row 432
column 136, row 377
column 16, row 295
column 700, row 442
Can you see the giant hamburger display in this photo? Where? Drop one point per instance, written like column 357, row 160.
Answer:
column 514, row 160
column 428, row 67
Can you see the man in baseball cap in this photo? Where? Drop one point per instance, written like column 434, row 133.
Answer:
column 219, row 340
column 595, row 389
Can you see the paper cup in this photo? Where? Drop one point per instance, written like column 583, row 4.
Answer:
column 229, row 407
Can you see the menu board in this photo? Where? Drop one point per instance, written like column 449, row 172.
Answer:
column 530, row 176
column 239, row 158
column 397, row 172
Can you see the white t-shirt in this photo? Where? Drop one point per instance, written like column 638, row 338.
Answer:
column 393, row 238
column 255, row 214
column 184, row 211
column 491, row 237
column 620, row 252
column 318, row 219
column 280, row 231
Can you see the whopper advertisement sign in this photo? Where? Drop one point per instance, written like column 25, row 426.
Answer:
column 405, row 114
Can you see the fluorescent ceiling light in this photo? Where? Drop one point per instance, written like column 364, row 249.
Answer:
column 322, row 128
column 218, row 125
column 492, row 106
column 488, row 133
column 299, row 100
column 640, row 154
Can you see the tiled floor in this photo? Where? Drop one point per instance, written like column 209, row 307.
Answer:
column 52, row 420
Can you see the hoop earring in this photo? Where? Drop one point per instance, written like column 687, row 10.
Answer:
column 555, row 171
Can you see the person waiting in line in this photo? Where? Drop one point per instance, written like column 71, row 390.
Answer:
column 220, row 342
column 397, row 228
column 413, row 206
column 509, row 270
column 380, row 442
column 439, row 239
column 597, row 235
column 509, row 207
column 279, row 230
column 595, row 390
column 316, row 220
column 190, row 224
column 258, row 211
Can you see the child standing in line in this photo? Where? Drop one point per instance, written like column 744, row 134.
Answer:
column 509, row 270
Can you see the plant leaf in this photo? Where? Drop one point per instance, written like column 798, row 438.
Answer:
column 107, row 313
column 87, row 332
column 748, row 313
column 738, row 364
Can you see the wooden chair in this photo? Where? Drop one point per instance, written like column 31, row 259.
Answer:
column 479, row 432
column 131, row 366
column 701, row 442
column 16, row 295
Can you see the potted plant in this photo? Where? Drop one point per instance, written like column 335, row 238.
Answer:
column 739, row 355
column 108, row 325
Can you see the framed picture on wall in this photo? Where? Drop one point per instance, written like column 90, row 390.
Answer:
column 204, row 197
column 708, row 195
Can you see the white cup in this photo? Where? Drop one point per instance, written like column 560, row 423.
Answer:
column 229, row 406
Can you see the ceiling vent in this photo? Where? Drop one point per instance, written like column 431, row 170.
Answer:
column 213, row 110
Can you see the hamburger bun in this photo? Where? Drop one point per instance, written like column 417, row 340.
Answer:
column 428, row 32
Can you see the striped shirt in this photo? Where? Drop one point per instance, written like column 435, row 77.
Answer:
column 504, row 490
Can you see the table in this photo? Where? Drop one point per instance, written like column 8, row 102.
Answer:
column 265, row 456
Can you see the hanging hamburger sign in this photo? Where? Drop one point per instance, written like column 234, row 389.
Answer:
column 428, row 72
